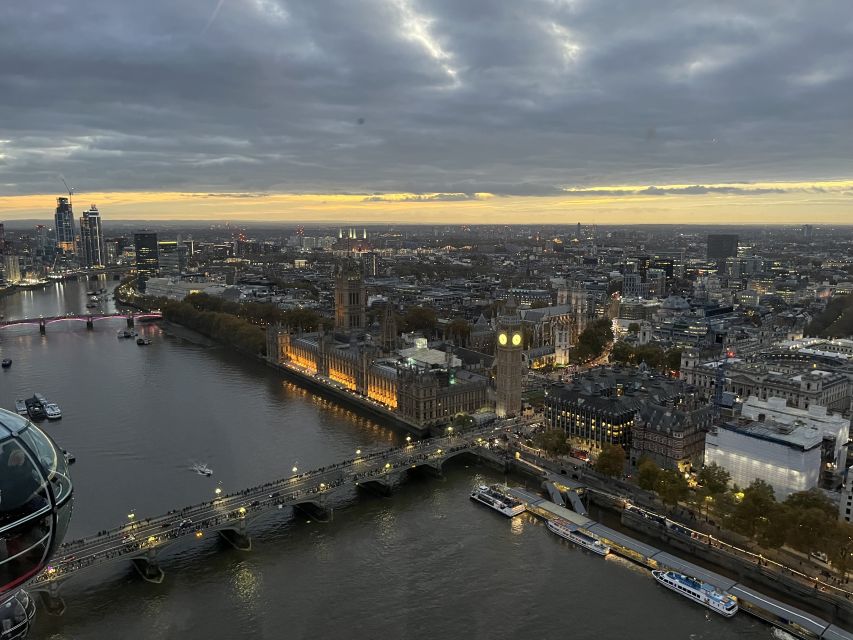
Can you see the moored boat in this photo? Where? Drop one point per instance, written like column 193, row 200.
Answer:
column 21, row 407
column 6, row 363
column 34, row 409
column 698, row 591
column 52, row 411
column 566, row 530
column 202, row 469
column 498, row 500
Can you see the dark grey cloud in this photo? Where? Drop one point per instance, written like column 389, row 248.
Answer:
column 444, row 96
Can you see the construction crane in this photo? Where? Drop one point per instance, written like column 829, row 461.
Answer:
column 70, row 190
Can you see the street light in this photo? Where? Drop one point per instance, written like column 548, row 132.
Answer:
column 294, row 470
column 409, row 439
column 358, row 452
column 217, row 491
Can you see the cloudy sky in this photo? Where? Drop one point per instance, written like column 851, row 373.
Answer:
column 430, row 110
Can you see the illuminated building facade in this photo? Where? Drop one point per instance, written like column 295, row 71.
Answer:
column 602, row 406
column 64, row 225
column 423, row 385
column 786, row 456
column 508, row 362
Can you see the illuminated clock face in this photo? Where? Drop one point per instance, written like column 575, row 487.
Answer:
column 502, row 338
column 516, row 339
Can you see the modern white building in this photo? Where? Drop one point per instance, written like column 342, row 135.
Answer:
column 788, row 457
column 180, row 289
column 833, row 426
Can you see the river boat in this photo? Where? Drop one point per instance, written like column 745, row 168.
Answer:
column 41, row 399
column 70, row 458
column 21, row 407
column 698, row 591
column 52, row 411
column 498, row 500
column 202, row 469
column 34, row 409
column 564, row 529
column 6, row 363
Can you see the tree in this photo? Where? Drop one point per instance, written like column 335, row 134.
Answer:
column 611, row 460
column 634, row 328
column 651, row 354
column 840, row 551
column 772, row 527
column 458, row 330
column 714, row 478
column 420, row 319
column 758, row 499
column 672, row 487
column 552, row 441
column 622, row 352
column 812, row 499
column 672, row 359
column 809, row 528
column 648, row 474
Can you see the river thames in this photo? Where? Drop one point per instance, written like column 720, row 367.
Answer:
column 424, row 563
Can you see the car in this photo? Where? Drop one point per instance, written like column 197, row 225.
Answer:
column 128, row 538
column 274, row 494
column 255, row 503
column 185, row 523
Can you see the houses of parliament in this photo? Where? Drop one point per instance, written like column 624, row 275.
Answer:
column 425, row 385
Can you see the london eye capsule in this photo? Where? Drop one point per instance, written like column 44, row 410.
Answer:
column 35, row 508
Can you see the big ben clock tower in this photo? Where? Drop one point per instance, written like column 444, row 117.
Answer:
column 508, row 362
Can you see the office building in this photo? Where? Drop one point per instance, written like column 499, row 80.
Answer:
column 722, row 246
column 601, row 406
column 92, row 239
column 64, row 225
column 12, row 269
column 147, row 256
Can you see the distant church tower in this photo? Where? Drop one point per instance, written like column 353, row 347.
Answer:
column 508, row 361
column 350, row 297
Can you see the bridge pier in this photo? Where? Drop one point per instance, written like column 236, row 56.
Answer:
column 51, row 600
column 130, row 322
column 240, row 540
column 316, row 511
column 148, row 567
column 90, row 324
column 42, row 326
column 433, row 471
column 379, row 487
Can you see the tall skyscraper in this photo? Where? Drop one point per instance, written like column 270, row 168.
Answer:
column 508, row 360
column 92, row 239
column 147, row 256
column 350, row 297
column 722, row 246
column 64, row 222
column 12, row 269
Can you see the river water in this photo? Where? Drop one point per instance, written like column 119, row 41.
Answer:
column 424, row 563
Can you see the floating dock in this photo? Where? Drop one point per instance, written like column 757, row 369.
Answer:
column 786, row 617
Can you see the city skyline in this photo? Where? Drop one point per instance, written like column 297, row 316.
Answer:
column 486, row 112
